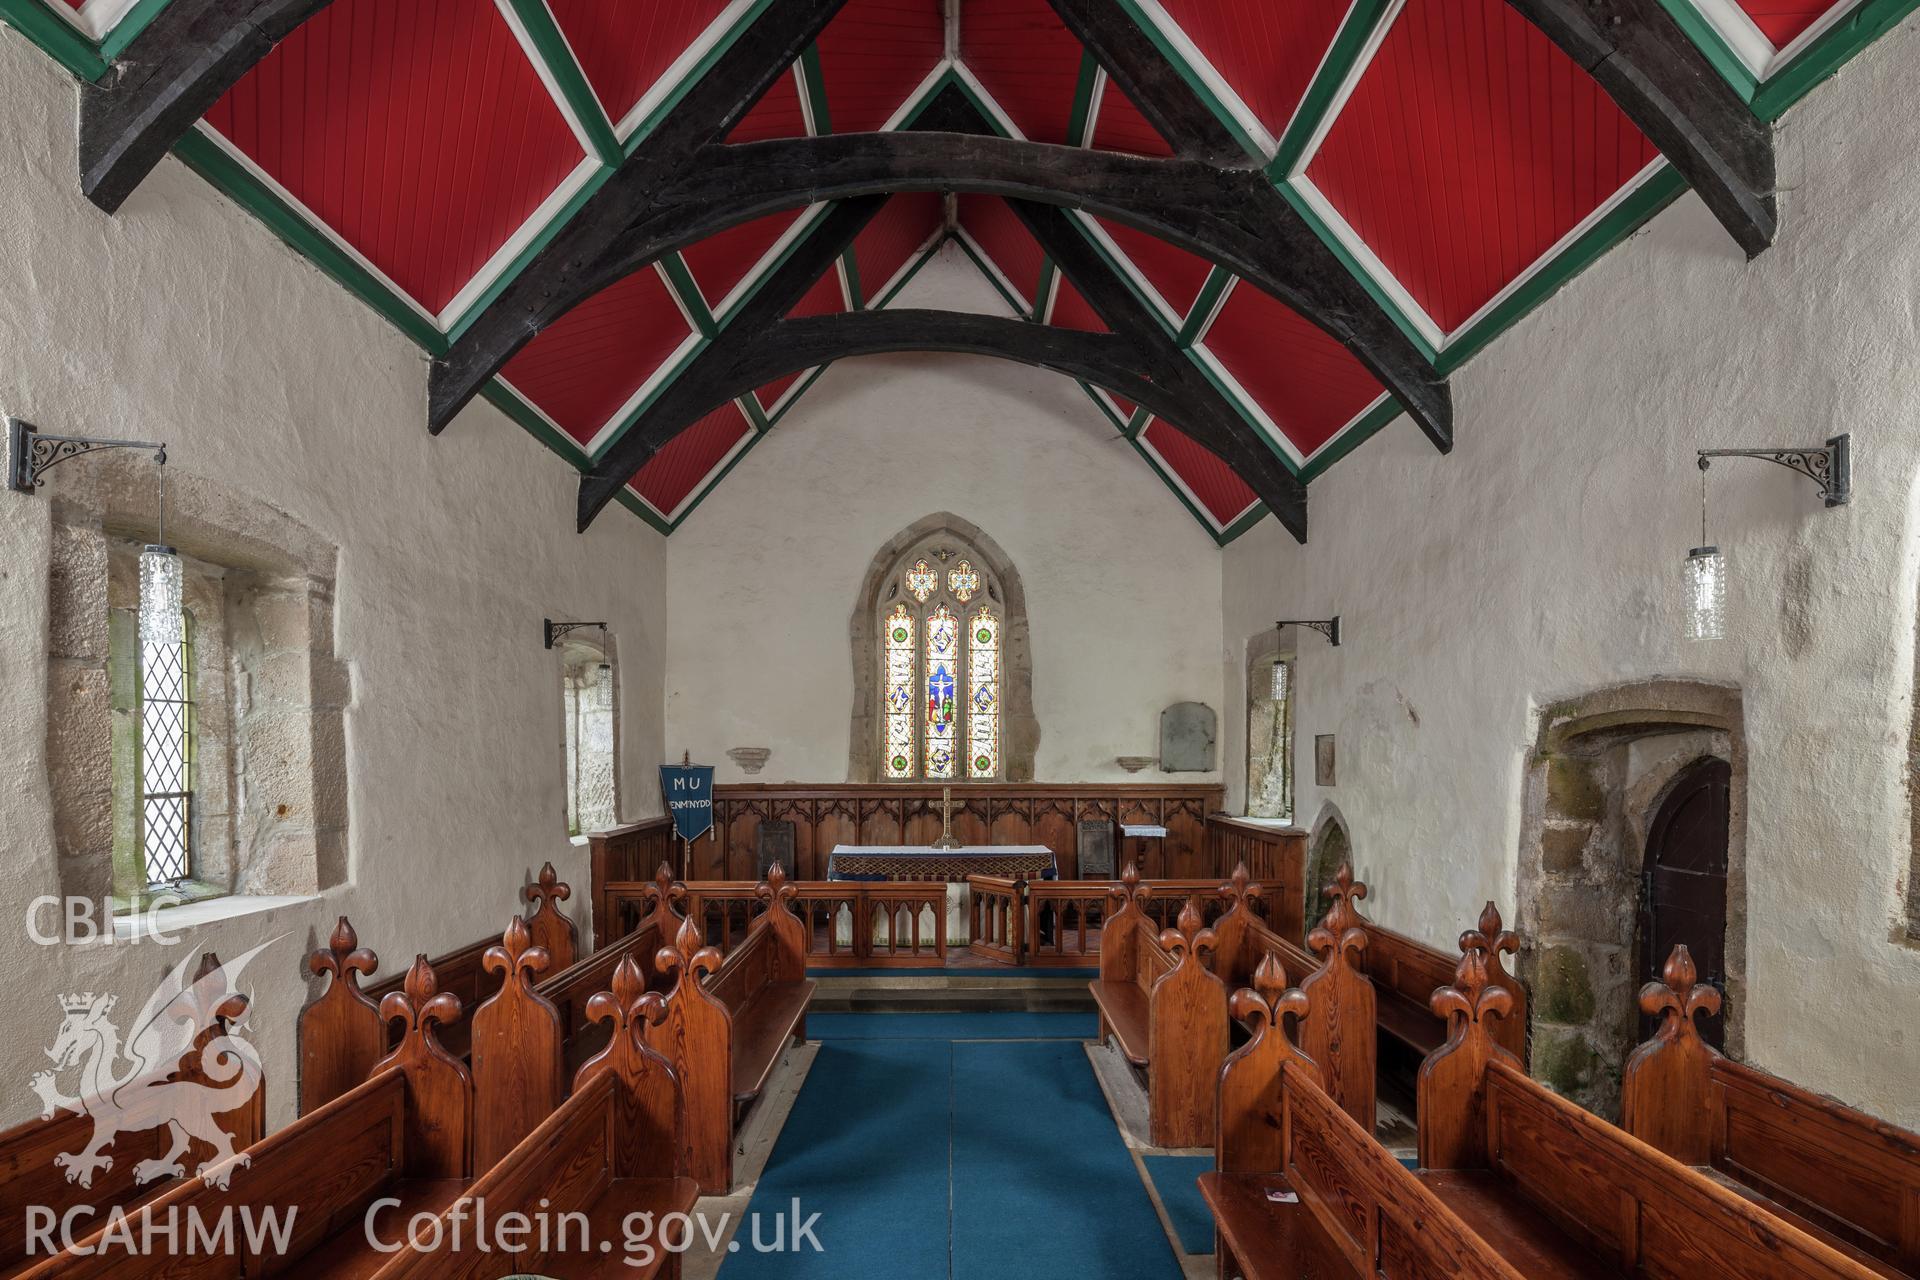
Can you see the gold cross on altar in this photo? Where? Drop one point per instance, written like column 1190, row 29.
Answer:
column 947, row 839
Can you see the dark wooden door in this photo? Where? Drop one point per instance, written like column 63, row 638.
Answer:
column 1684, row 893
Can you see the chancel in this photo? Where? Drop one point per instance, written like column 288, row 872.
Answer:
column 960, row 639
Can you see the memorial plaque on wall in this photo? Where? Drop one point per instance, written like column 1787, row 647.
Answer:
column 1096, row 849
column 776, row 845
column 1187, row 734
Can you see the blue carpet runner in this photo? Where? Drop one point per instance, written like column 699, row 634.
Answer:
column 1176, row 1178
column 964, row 1146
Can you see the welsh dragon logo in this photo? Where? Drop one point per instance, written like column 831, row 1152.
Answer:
column 183, row 1067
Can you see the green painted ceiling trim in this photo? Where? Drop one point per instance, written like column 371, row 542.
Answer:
column 713, row 481
column 1209, row 297
column 966, row 90
column 993, row 278
column 1193, row 78
column 1351, row 437
column 206, row 157
column 813, row 219
column 639, row 411
column 1873, row 19
column 1100, row 402
column 1048, row 270
column 1349, row 43
column 130, row 25
column 813, row 83
column 632, row 502
column 750, row 405
column 1137, row 422
column 1125, row 273
column 1193, row 508
column 1373, row 287
column 510, row 402
column 1241, row 407
column 926, row 256
column 694, row 75
column 512, row 271
column 1653, row 195
column 1254, row 515
column 1687, row 16
column 56, row 37
column 856, row 292
column 1079, row 131
column 800, row 389
column 688, row 291
column 557, row 56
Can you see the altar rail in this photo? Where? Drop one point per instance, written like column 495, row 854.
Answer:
column 894, row 924
column 1059, row 922
column 983, row 813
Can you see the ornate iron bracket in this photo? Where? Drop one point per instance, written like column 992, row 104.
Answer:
column 1831, row 468
column 30, row 454
column 554, row 630
column 1330, row 628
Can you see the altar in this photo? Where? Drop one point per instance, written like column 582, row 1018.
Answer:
column 925, row 862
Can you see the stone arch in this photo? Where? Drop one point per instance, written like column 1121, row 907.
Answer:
column 1269, row 729
column 590, row 732
column 1601, row 766
column 1020, row 731
column 1330, row 845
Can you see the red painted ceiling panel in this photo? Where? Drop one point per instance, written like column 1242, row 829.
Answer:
column 75, row 4
column 1005, row 240
column 874, row 54
column 1223, row 493
column 1308, row 383
column 769, row 395
column 418, row 131
column 1175, row 273
column 677, row 470
column 1028, row 61
column 776, row 115
column 1470, row 146
column 1784, row 21
column 1267, row 52
column 586, row 365
column 1121, row 127
column 1072, row 311
column 826, row 298
column 722, row 261
column 895, row 237
column 625, row 47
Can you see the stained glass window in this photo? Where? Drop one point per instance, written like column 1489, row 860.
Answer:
column 983, row 695
column 923, row 580
column 900, row 668
column 166, row 756
column 964, row 581
column 943, row 684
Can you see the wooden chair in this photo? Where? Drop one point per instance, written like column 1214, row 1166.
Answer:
column 30, row 1168
column 728, row 1021
column 1838, row 1174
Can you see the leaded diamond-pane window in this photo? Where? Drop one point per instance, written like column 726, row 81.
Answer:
column 166, row 757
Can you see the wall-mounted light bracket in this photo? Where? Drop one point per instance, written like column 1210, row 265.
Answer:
column 1831, row 467
column 31, row 453
column 1330, row 627
column 555, row 630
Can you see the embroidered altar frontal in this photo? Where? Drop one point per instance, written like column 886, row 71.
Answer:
column 910, row 862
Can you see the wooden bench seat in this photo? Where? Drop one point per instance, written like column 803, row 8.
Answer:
column 1277, row 1239
column 727, row 1023
column 1839, row 1174
column 1522, row 1234
column 351, row 1255
column 1123, row 1013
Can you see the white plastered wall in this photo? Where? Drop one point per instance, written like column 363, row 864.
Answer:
column 1542, row 559
column 183, row 318
column 1122, row 584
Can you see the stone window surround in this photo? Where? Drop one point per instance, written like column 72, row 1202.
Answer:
column 1019, row 729
column 288, row 696
column 1264, row 648
column 576, row 651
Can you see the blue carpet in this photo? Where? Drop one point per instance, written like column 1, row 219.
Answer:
column 952, row 1026
column 1175, row 1178
column 933, row 1158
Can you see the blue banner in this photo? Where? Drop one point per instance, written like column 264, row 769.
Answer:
column 688, row 791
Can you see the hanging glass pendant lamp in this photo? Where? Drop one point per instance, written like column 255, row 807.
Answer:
column 160, row 581
column 604, row 677
column 1705, row 582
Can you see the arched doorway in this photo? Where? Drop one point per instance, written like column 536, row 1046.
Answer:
column 1330, row 848
column 1684, row 884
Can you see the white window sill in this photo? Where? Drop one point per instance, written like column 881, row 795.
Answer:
column 192, row 915
column 1281, row 823
column 582, row 841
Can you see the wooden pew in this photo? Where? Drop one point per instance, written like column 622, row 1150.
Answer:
column 1838, row 1174
column 1166, row 1012
column 610, row 1151
column 31, row 1169
column 1514, row 1181
column 342, row 1033
column 728, row 1021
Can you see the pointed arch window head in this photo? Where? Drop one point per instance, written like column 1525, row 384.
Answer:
column 940, row 613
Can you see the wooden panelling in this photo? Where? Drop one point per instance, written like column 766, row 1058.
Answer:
column 826, row 815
